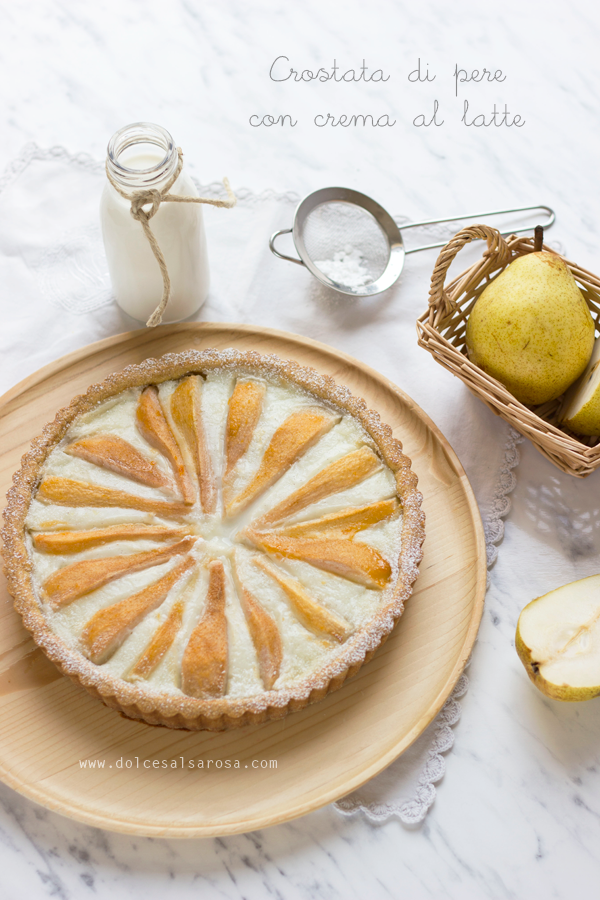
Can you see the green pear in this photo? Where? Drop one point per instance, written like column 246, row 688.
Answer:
column 531, row 328
column 581, row 408
column 558, row 640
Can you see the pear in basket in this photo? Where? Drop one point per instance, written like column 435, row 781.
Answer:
column 581, row 408
column 531, row 328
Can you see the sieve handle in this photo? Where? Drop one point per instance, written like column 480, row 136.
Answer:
column 495, row 212
column 272, row 240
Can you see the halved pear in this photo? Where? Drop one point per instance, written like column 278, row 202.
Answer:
column 558, row 640
column 581, row 408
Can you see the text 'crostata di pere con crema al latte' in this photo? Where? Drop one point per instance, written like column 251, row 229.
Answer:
column 213, row 538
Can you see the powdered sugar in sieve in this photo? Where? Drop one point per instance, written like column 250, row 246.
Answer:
column 346, row 244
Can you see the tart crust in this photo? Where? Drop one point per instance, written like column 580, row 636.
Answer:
column 213, row 713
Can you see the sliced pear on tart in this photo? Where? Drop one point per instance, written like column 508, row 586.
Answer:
column 244, row 411
column 65, row 542
column 347, row 522
column 204, row 663
column 338, row 476
column 154, row 428
column 80, row 578
column 160, row 644
column 299, row 433
column 116, row 454
column 349, row 559
column 69, row 492
column 186, row 410
column 313, row 615
column 264, row 634
column 109, row 627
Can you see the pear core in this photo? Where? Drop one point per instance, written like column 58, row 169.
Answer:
column 531, row 328
column 558, row 640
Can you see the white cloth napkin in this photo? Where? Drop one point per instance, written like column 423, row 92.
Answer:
column 56, row 297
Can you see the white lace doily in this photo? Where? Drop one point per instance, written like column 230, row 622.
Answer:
column 406, row 789
column 58, row 297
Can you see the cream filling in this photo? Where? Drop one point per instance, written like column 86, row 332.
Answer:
column 304, row 652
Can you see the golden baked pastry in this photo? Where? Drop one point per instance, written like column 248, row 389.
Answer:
column 213, row 539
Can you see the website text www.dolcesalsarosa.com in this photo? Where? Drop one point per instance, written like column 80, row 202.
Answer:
column 178, row 762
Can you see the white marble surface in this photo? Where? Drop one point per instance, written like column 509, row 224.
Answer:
column 517, row 815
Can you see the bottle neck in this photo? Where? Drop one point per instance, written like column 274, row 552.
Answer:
column 141, row 156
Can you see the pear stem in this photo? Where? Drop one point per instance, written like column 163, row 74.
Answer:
column 539, row 239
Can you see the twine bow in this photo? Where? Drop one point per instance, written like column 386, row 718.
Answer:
column 153, row 198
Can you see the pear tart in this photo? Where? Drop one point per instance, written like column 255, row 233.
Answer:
column 213, row 538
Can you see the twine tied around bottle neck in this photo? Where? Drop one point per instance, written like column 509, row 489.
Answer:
column 142, row 198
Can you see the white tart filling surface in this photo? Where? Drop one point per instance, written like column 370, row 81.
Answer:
column 313, row 574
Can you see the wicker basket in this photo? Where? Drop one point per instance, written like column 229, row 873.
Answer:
column 441, row 330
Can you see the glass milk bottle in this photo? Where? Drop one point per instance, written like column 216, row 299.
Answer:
column 142, row 157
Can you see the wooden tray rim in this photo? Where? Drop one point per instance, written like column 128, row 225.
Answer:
column 133, row 827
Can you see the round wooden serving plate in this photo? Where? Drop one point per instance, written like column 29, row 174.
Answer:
column 155, row 781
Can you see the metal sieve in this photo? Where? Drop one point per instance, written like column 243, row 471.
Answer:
column 351, row 244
